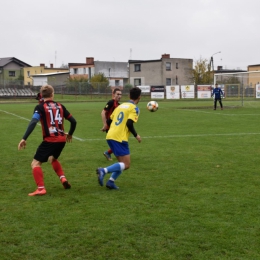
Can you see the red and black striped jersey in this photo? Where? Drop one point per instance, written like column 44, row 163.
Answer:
column 110, row 107
column 52, row 114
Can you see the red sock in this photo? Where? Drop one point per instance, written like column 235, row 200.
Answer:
column 109, row 151
column 57, row 168
column 38, row 177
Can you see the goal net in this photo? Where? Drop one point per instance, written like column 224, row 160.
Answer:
column 239, row 87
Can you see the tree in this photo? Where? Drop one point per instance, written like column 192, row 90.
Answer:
column 79, row 84
column 128, row 86
column 99, row 80
column 202, row 73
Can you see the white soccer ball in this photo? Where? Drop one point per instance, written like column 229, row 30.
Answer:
column 152, row 106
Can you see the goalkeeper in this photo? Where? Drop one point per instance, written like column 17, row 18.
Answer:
column 218, row 94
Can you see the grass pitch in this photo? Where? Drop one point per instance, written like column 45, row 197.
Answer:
column 192, row 191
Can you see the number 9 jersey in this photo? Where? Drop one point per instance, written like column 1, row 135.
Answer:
column 118, row 129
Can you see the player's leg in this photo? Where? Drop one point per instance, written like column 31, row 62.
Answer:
column 123, row 163
column 121, row 151
column 40, row 157
column 221, row 105
column 56, row 165
column 38, row 178
column 215, row 104
column 107, row 154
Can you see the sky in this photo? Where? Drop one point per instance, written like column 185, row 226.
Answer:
column 63, row 31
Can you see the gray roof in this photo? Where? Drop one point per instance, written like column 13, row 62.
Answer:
column 5, row 61
column 50, row 74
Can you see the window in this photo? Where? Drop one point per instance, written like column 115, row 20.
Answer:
column 137, row 82
column 75, row 71
column 28, row 74
column 117, row 83
column 137, row 67
column 176, row 80
column 84, row 70
column 168, row 82
column 177, row 66
column 168, row 66
column 11, row 73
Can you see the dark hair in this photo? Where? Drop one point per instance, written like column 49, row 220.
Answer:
column 38, row 96
column 135, row 93
column 115, row 90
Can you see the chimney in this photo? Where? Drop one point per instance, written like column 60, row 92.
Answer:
column 51, row 65
column 220, row 67
column 165, row 56
column 42, row 64
column 90, row 61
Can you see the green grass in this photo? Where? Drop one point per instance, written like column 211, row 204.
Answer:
column 192, row 191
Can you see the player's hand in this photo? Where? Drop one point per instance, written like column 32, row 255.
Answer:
column 104, row 128
column 68, row 138
column 138, row 138
column 22, row 144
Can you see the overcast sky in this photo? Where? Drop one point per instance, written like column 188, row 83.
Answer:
column 63, row 31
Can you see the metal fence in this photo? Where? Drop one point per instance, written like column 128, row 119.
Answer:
column 18, row 89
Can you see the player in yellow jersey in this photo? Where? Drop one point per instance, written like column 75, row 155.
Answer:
column 121, row 125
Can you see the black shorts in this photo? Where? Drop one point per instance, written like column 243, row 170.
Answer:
column 47, row 149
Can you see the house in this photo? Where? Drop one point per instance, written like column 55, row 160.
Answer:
column 165, row 71
column 116, row 72
column 253, row 78
column 11, row 70
column 29, row 72
column 55, row 79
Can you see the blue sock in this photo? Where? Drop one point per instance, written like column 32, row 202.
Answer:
column 115, row 175
column 114, row 168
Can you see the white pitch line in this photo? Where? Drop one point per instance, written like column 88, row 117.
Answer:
column 74, row 137
column 219, row 113
column 182, row 136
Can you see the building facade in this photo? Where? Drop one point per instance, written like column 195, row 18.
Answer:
column 116, row 72
column 253, row 78
column 29, row 72
column 165, row 71
column 11, row 70
column 55, row 79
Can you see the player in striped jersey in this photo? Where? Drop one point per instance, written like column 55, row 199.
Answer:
column 107, row 112
column 51, row 114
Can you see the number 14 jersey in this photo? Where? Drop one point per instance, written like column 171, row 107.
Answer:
column 52, row 114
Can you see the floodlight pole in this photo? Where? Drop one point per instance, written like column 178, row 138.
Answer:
column 211, row 60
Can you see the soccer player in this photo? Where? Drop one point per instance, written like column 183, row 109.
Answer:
column 121, row 125
column 106, row 113
column 39, row 98
column 217, row 93
column 51, row 115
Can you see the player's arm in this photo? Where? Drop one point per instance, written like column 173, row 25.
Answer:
column 73, row 124
column 130, row 126
column 109, row 121
column 29, row 130
column 104, row 120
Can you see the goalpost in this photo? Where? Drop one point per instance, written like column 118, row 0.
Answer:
column 239, row 87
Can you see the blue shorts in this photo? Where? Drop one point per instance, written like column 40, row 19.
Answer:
column 119, row 149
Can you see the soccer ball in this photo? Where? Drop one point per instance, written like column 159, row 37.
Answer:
column 152, row 106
